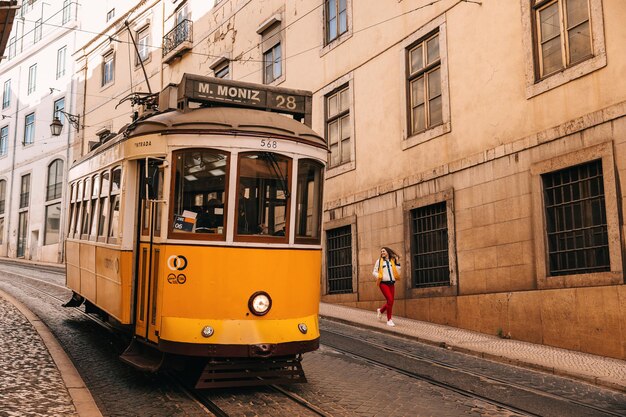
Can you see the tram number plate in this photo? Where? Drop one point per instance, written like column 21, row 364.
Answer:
column 269, row 144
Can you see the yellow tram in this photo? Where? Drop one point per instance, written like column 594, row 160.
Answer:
column 199, row 228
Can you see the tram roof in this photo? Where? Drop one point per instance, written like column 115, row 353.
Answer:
column 228, row 120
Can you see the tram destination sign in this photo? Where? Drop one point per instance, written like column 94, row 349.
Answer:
column 217, row 91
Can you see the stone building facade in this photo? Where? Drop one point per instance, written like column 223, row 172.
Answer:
column 484, row 141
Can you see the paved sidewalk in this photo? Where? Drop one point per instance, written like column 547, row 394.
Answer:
column 37, row 377
column 607, row 372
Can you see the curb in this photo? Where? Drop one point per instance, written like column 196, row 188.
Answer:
column 79, row 393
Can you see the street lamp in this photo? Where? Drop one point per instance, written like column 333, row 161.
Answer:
column 56, row 126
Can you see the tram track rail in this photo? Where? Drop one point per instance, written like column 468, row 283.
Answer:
column 199, row 396
column 534, row 398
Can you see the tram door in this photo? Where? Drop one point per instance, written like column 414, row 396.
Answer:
column 149, row 248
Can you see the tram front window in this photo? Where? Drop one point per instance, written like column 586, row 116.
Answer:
column 263, row 190
column 199, row 191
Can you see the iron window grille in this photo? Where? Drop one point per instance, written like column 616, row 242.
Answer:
column 339, row 260
column 182, row 32
column 576, row 224
column 429, row 246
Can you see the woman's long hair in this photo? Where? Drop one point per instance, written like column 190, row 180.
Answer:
column 392, row 254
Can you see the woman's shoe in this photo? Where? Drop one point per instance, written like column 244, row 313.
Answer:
column 390, row 323
column 379, row 315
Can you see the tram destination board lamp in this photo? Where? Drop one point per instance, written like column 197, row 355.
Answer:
column 56, row 126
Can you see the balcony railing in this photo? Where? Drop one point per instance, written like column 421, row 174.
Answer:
column 181, row 33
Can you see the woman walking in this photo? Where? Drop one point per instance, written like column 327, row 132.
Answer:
column 387, row 272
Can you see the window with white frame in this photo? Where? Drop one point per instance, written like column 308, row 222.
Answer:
column 3, row 191
column 6, row 94
column 58, row 109
column 61, row 53
column 32, row 78
column 12, row 47
column 4, row 140
column 66, row 11
column 29, row 129
column 37, row 31
column 338, row 126
column 53, row 202
column 25, row 191
column 143, row 44
column 108, row 68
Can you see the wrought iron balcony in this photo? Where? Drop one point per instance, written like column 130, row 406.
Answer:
column 177, row 40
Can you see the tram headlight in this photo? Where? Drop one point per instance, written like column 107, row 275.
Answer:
column 207, row 331
column 260, row 303
column 302, row 327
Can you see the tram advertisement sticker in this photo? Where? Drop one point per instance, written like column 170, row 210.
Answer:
column 186, row 222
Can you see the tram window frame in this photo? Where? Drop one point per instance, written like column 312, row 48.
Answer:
column 261, row 237
column 79, row 209
column 172, row 234
column 101, row 235
column 318, row 195
column 114, row 197
column 72, row 209
column 95, row 193
column 86, row 224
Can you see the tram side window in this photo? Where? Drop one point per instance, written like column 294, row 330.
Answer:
column 95, row 193
column 116, row 178
column 309, row 200
column 79, row 209
column 104, row 196
column 72, row 212
column 200, row 191
column 263, row 190
column 86, row 209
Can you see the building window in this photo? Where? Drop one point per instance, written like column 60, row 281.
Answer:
column 576, row 221
column 4, row 140
column 22, row 233
column 32, row 78
column 143, row 45
column 37, row 31
column 339, row 260
column 61, row 53
column 271, row 33
column 12, row 48
column 110, row 14
column 429, row 246
column 108, row 68
column 336, row 18
column 55, row 180
column 222, row 70
column 66, row 11
column 338, row 126
column 59, row 108
column 3, row 190
column 53, row 224
column 563, row 34
column 29, row 129
column 6, row 94
column 424, row 81
column 25, row 191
